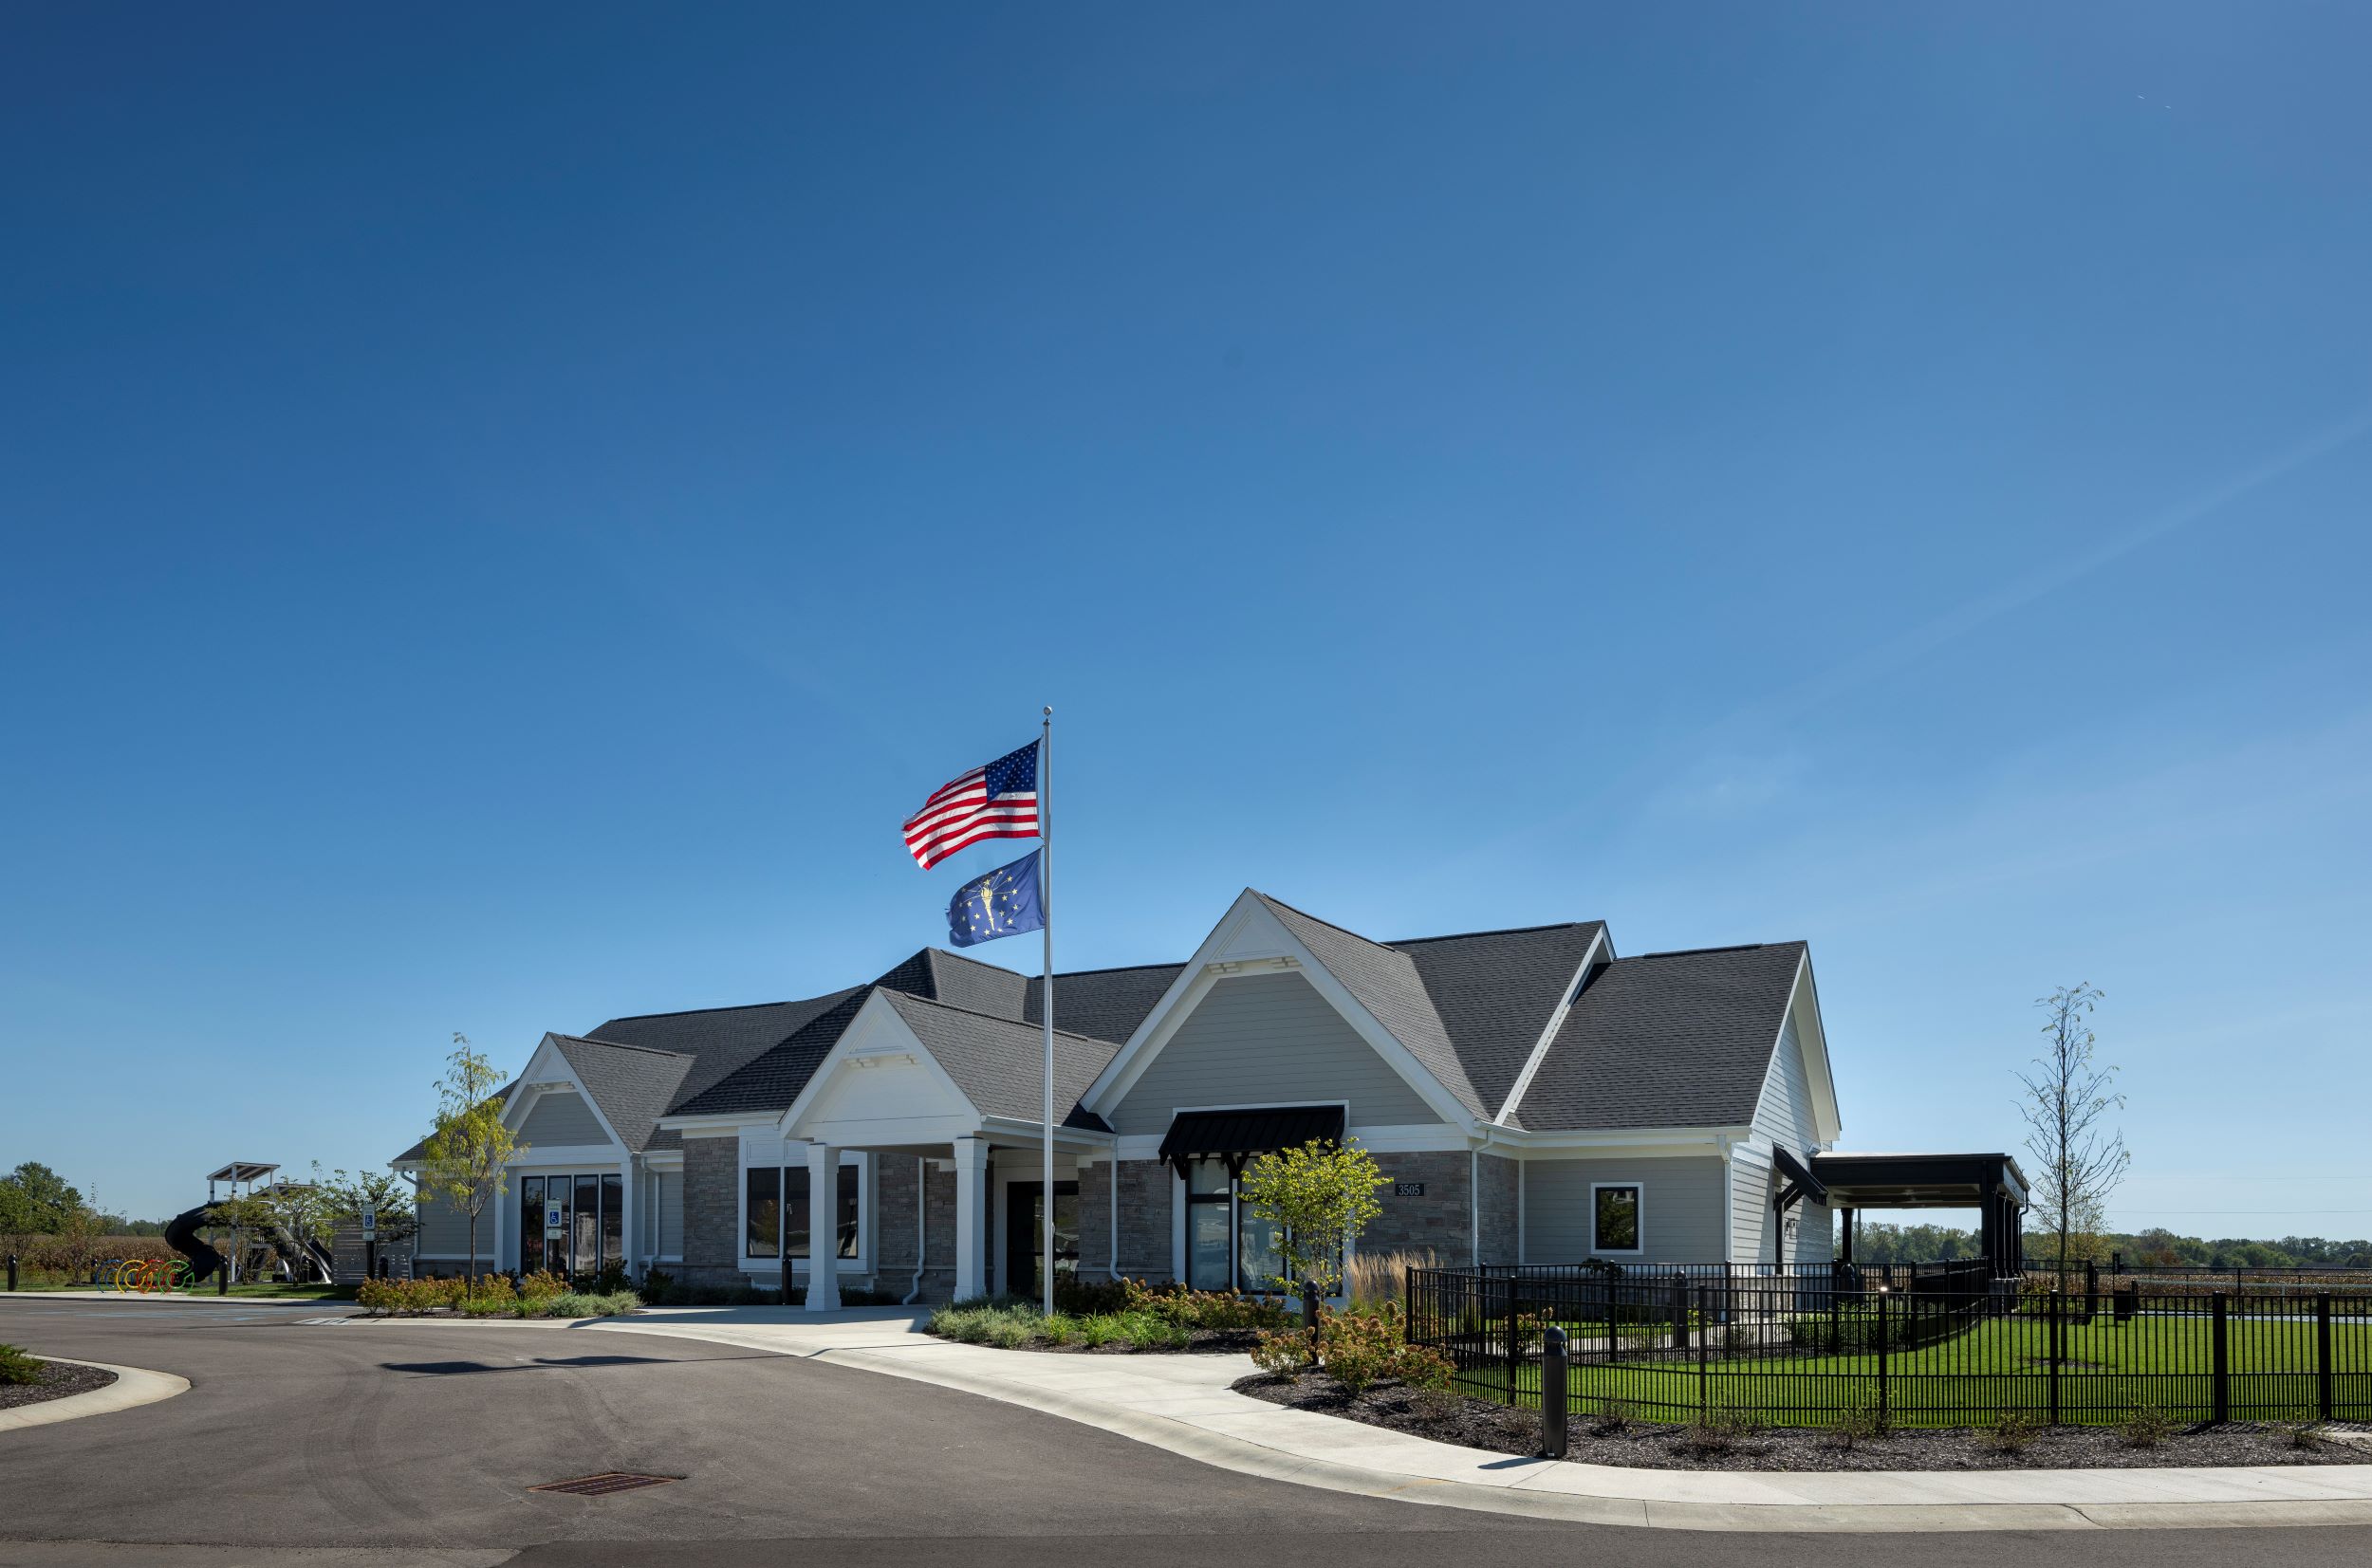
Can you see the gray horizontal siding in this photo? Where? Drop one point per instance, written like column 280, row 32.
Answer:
column 561, row 1119
column 1268, row 1039
column 1680, row 1215
column 445, row 1230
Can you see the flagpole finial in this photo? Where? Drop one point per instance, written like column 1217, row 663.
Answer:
column 1049, row 711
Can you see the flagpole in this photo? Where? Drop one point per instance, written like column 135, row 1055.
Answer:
column 1045, row 926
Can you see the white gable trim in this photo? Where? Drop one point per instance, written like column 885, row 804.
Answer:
column 880, row 1035
column 548, row 1069
column 1249, row 940
column 1811, row 1038
column 1556, row 1022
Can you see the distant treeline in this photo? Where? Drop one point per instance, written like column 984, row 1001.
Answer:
column 1926, row 1243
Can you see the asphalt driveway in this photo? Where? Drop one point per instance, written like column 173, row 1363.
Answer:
column 407, row 1442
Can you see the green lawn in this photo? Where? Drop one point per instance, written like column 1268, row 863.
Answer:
column 2001, row 1364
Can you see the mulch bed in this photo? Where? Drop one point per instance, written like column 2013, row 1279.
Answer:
column 57, row 1380
column 1201, row 1342
column 1484, row 1424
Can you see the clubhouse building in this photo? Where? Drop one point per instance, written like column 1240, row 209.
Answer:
column 1534, row 1096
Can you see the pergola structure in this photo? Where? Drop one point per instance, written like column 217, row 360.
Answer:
column 1990, row 1184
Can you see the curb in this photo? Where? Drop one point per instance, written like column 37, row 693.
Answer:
column 133, row 1386
column 1248, row 1456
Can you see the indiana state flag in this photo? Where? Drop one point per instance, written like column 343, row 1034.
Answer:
column 1003, row 903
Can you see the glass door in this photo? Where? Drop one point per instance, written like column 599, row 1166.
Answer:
column 1025, row 1239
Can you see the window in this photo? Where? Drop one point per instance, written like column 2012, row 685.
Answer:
column 613, row 1220
column 761, row 1211
column 1227, row 1246
column 776, row 1204
column 1614, row 1217
column 531, row 1224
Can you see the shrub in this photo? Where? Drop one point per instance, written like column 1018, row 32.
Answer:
column 1061, row 1329
column 1359, row 1349
column 541, row 1283
column 17, row 1367
column 2308, row 1435
column 1146, row 1331
column 1721, row 1428
column 1613, row 1418
column 1212, row 1309
column 1862, row 1420
column 1281, row 1352
column 1097, row 1332
column 2146, row 1426
column 1006, row 1332
column 1078, row 1297
column 2011, row 1431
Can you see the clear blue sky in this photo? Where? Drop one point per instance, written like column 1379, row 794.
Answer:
column 505, row 510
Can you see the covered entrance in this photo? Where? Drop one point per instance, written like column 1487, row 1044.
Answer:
column 1990, row 1184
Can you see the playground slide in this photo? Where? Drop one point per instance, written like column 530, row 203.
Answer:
column 181, row 1235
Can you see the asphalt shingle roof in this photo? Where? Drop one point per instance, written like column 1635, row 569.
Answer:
column 999, row 1062
column 632, row 1084
column 1496, row 991
column 720, row 1041
column 1667, row 1039
column 1101, row 1003
column 1387, row 982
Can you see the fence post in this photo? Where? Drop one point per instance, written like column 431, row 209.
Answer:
column 1610, row 1320
column 2091, row 1290
column 2323, row 1380
column 1515, row 1356
column 1704, row 1333
column 1679, row 1315
column 2222, row 1377
column 2058, row 1348
column 1552, row 1377
column 1884, row 1405
column 222, row 1279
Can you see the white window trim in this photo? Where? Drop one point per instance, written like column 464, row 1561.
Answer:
column 861, row 1263
column 1638, row 1190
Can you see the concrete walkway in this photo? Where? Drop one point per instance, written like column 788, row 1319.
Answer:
column 1185, row 1404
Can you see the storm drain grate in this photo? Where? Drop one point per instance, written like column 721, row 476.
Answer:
column 605, row 1483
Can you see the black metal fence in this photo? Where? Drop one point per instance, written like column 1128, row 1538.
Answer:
column 1811, row 1346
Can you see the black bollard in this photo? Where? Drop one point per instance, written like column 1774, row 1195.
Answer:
column 1553, row 1370
column 11, row 1271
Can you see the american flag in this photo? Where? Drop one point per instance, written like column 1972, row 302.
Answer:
column 999, row 800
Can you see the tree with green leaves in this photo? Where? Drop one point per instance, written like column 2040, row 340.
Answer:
column 36, row 1201
column 382, row 1192
column 2069, row 1096
column 1321, row 1195
column 467, row 1158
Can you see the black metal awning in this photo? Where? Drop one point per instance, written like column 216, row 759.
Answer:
column 1236, row 1136
column 1919, row 1181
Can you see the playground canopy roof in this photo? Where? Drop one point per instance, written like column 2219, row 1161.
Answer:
column 243, row 1171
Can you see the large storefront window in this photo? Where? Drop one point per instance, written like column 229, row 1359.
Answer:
column 573, row 1224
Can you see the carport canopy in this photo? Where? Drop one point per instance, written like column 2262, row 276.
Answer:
column 1990, row 1184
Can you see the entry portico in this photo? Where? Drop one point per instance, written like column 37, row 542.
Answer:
column 914, row 1080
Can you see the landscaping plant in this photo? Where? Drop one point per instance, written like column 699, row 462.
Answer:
column 467, row 1155
column 2012, row 1431
column 2146, row 1426
column 17, row 1367
column 1321, row 1195
column 1862, row 1419
column 1359, row 1349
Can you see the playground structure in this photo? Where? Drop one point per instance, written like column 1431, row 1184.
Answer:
column 259, row 1250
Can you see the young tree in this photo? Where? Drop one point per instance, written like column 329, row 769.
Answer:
column 2069, row 1098
column 383, row 1192
column 1322, row 1195
column 469, row 1154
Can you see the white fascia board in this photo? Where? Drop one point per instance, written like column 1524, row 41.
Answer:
column 1210, row 965
column 1576, row 1145
column 878, row 1030
column 1556, row 1020
column 1073, row 1137
column 564, row 1156
column 549, row 1069
column 1827, row 1120
column 661, row 1159
column 718, row 1124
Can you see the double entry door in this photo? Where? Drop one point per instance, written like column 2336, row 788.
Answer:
column 571, row 1224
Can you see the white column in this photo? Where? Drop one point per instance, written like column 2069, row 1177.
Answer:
column 630, row 1200
column 501, row 1206
column 822, row 1227
column 972, row 1174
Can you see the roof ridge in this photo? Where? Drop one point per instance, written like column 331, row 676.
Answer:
column 997, row 1018
column 1495, row 930
column 1111, row 969
column 1269, row 898
column 625, row 1046
column 729, row 1007
column 1734, row 946
column 976, row 963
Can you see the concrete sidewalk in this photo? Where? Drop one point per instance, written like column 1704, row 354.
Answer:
column 1185, row 1404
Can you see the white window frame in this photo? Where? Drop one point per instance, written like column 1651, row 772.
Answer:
column 1639, row 1225
column 861, row 1263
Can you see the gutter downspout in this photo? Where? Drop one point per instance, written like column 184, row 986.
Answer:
column 1112, row 1210
column 922, row 1231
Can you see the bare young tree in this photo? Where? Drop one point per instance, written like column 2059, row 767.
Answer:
column 2069, row 1098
